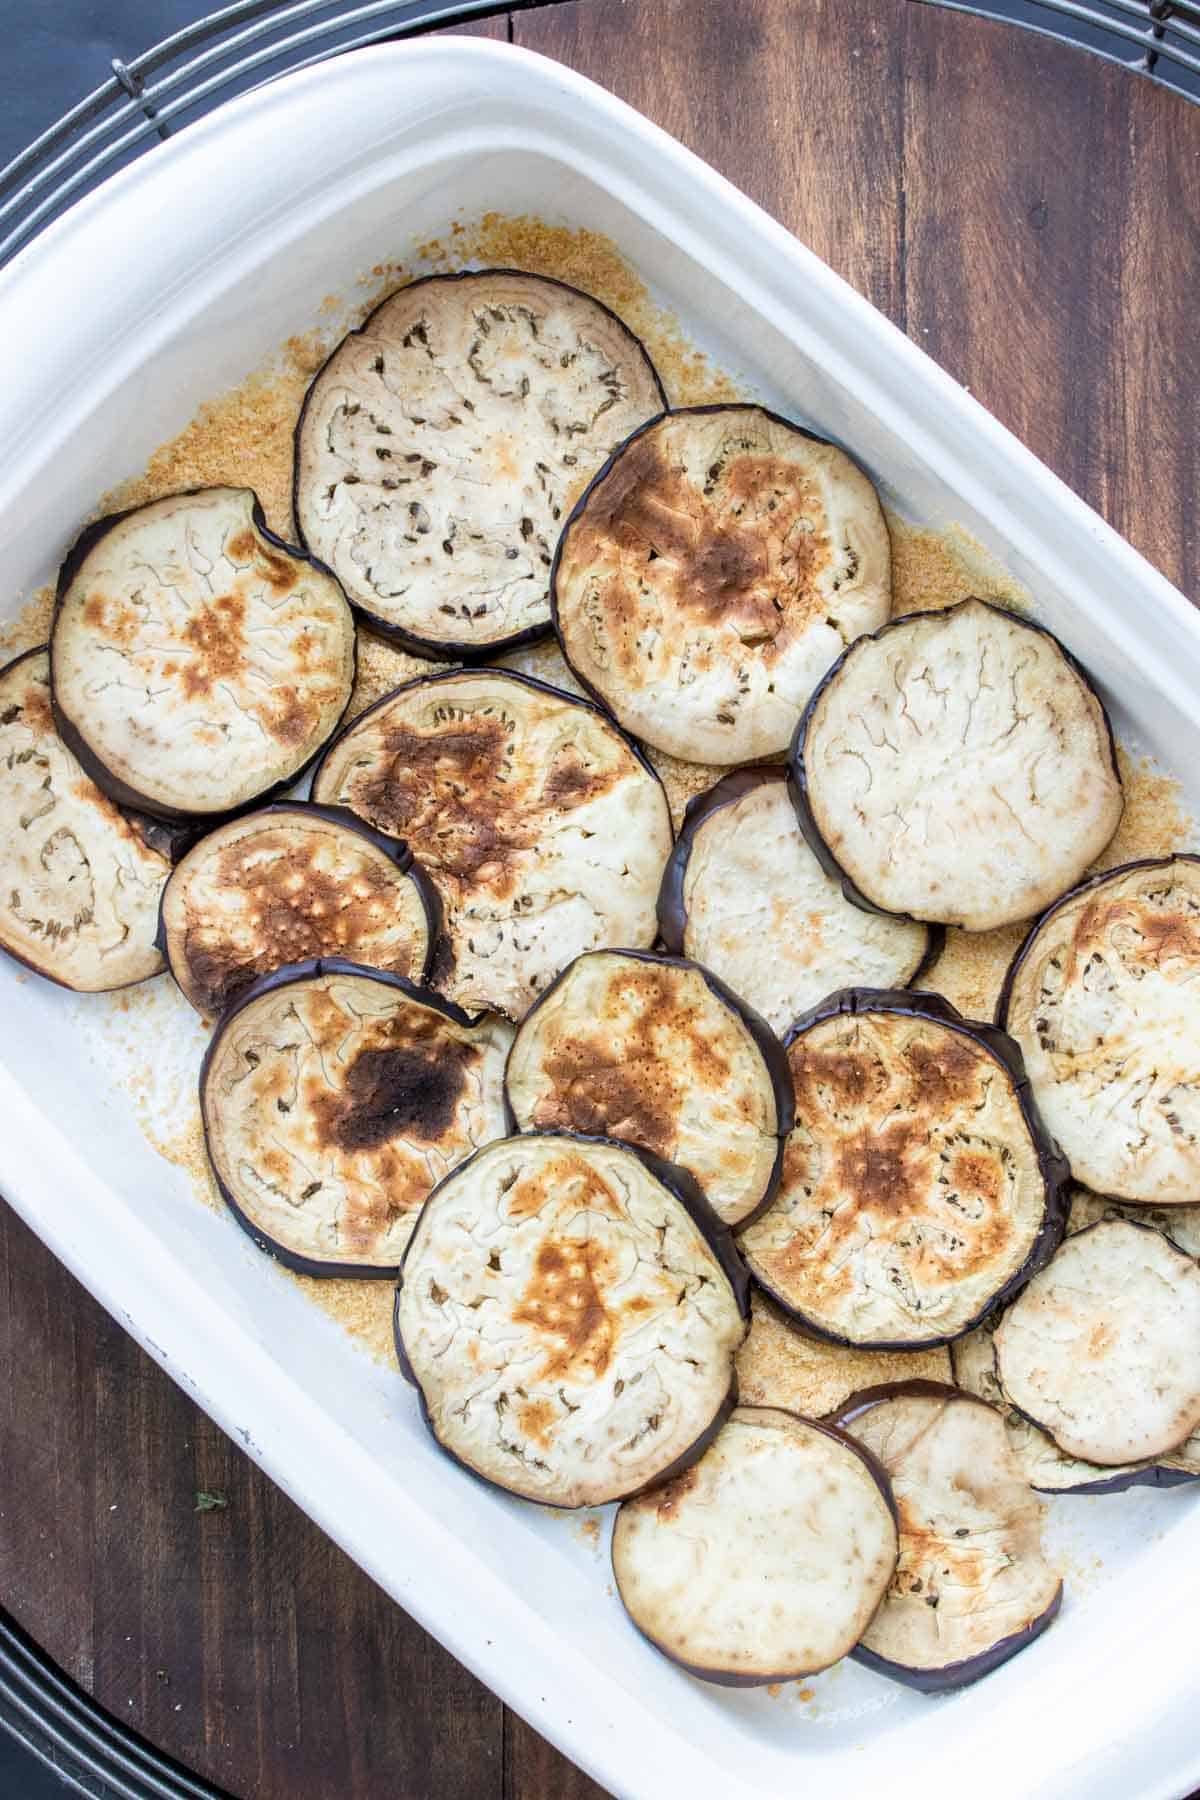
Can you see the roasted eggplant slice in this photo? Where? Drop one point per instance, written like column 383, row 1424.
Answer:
column 288, row 883
column 543, row 827
column 1180, row 1223
column 334, row 1097
column 745, row 896
column 1104, row 1000
column 570, row 1309
column 711, row 573
column 1102, row 1350
column 957, row 766
column 657, row 1052
column 972, row 1586
column 79, row 884
column 779, row 1365
column 198, row 663
column 440, row 445
column 919, row 1186
column 764, row 1561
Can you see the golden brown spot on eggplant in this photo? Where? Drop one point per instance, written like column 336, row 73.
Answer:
column 930, row 1561
column 946, row 1073
column 537, row 1419
column 279, row 572
column 974, row 1172
column 290, row 720
column 37, row 715
column 214, row 633
column 841, row 1079
column 672, row 1494
column 564, row 1302
column 119, row 623
column 885, row 1170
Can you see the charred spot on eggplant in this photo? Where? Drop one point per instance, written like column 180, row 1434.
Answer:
column 919, row 1187
column 286, row 884
column 198, row 663
column 744, row 895
column 334, row 1097
column 441, row 445
column 957, row 766
column 656, row 1052
column 79, row 884
column 569, row 1309
column 1104, row 1001
column 541, row 825
column 780, row 1365
column 972, row 1586
column 711, row 573
column 764, row 1561
column 1102, row 1350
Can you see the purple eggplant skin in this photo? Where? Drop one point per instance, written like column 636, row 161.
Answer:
column 267, row 984
column 672, row 912
column 125, row 796
column 1052, row 1163
column 769, row 1046
column 797, row 776
column 396, row 634
column 395, row 849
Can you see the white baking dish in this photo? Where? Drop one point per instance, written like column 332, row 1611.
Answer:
column 153, row 295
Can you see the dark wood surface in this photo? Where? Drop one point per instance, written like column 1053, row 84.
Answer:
column 1031, row 216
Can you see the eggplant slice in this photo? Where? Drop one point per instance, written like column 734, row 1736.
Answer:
column 441, row 444
column 919, row 1187
column 198, row 662
column 767, row 1559
column 570, row 1309
column 656, row 1052
column 972, row 1586
column 542, row 826
column 1180, row 1223
column 745, row 896
column 710, row 575
column 334, row 1098
column 79, row 884
column 1104, row 1000
column 1102, row 1350
column 779, row 1365
column 957, row 766
column 288, row 883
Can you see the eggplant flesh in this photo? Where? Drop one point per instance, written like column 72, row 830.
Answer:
column 917, row 1188
column 972, row 1586
column 334, row 1098
column 1102, row 1350
column 440, row 446
column 745, row 895
column 1104, row 1000
column 957, row 767
column 1179, row 1223
column 288, row 883
column 711, row 573
column 198, row 662
column 780, row 1365
column 766, row 1559
column 79, row 885
column 651, row 1050
column 540, row 824
column 570, row 1318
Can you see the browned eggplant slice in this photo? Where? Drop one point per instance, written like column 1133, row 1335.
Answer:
column 745, row 896
column 1102, row 1350
column 198, row 662
column 780, row 1365
column 767, row 1559
column 287, row 883
column 919, row 1186
column 711, row 573
column 655, row 1051
column 972, row 1586
column 957, row 766
column 79, row 884
column 334, row 1097
column 441, row 444
column 1104, row 1000
column 542, row 826
column 570, row 1309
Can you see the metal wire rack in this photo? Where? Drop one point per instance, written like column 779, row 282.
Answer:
column 243, row 45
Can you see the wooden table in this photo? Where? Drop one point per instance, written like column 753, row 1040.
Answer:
column 1031, row 216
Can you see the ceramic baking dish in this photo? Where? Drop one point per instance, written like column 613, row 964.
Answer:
column 157, row 292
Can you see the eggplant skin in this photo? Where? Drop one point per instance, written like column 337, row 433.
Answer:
column 1101, row 997
column 985, row 911
column 645, row 1041
column 200, row 662
column 948, row 1086
column 972, row 1668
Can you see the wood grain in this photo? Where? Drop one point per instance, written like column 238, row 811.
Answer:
column 1032, row 217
